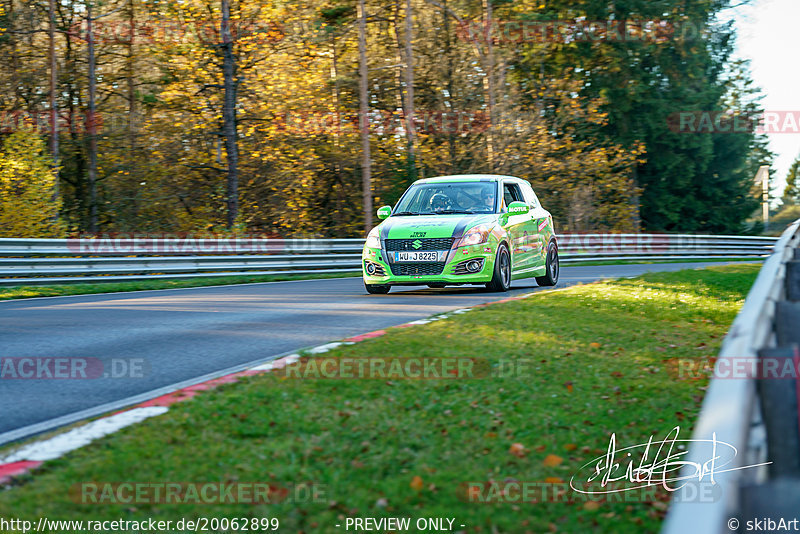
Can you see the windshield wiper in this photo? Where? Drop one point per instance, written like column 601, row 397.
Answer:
column 405, row 213
column 449, row 212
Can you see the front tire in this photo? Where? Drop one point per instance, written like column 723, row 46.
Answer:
column 377, row 289
column 501, row 279
column 552, row 268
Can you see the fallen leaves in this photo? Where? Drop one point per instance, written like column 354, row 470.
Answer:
column 416, row 483
column 552, row 460
column 518, row 450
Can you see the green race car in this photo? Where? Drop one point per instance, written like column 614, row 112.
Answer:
column 465, row 229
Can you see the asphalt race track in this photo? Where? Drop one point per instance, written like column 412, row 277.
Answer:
column 173, row 338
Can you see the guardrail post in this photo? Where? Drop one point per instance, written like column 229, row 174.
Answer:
column 778, row 396
column 793, row 278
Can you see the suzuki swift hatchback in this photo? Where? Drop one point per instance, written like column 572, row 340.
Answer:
column 465, row 229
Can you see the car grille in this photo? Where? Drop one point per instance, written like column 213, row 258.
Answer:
column 439, row 243
column 415, row 269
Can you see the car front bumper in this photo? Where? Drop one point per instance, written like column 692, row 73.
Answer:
column 454, row 271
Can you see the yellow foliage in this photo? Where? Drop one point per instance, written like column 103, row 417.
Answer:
column 27, row 187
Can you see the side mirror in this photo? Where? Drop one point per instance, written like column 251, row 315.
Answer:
column 384, row 212
column 518, row 208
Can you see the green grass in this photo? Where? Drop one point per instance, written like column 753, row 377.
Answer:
column 565, row 263
column 23, row 292
column 598, row 359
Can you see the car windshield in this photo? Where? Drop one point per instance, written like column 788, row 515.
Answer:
column 448, row 197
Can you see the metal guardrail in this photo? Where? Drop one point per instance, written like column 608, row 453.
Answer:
column 757, row 416
column 132, row 257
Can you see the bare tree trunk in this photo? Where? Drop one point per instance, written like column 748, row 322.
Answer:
column 336, row 93
column 229, row 114
column 130, row 69
column 451, row 136
column 53, row 89
column 338, row 184
column 92, row 123
column 15, row 81
column 366, row 165
column 409, row 70
column 488, row 83
column 636, row 221
column 400, row 59
column 403, row 102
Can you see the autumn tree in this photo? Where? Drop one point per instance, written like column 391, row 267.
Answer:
column 203, row 115
column 27, row 185
column 791, row 195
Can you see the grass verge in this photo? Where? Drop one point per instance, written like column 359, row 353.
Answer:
column 642, row 262
column 598, row 361
column 24, row 292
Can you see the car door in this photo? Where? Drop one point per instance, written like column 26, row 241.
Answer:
column 539, row 222
column 518, row 228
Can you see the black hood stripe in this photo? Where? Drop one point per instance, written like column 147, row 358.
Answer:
column 458, row 233
column 461, row 225
column 384, row 235
column 387, row 224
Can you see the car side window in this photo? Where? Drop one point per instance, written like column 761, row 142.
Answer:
column 511, row 193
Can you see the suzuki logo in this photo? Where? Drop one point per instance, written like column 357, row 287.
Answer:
column 416, row 243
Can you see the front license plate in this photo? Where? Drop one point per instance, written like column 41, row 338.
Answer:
column 416, row 256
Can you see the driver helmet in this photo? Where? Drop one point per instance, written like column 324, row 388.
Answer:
column 440, row 201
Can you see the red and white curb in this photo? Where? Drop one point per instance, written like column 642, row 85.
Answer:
column 32, row 455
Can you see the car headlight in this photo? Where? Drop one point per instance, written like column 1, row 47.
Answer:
column 475, row 236
column 373, row 239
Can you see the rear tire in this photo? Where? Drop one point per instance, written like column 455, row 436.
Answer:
column 552, row 268
column 377, row 289
column 501, row 279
